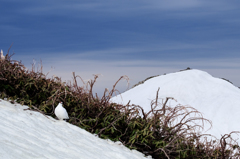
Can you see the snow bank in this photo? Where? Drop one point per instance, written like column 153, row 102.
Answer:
column 29, row 134
column 217, row 99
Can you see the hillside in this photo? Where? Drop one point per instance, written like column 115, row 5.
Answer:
column 158, row 133
column 217, row 99
column 27, row 134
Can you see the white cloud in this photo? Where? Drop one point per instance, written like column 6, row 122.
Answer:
column 126, row 8
column 176, row 4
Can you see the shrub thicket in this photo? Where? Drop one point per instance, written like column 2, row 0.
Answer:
column 155, row 133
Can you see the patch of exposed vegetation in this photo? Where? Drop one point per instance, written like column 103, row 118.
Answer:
column 141, row 82
column 227, row 80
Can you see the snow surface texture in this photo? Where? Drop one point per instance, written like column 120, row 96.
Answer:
column 28, row 134
column 217, row 99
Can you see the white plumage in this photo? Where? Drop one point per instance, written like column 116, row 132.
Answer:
column 2, row 56
column 61, row 112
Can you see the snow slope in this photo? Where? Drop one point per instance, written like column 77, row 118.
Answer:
column 217, row 99
column 26, row 134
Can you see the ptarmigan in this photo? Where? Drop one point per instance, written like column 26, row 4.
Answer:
column 61, row 112
column 2, row 56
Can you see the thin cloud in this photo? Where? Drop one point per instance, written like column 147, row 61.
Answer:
column 110, row 8
column 177, row 5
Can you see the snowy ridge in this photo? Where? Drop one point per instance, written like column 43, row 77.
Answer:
column 217, row 99
column 29, row 134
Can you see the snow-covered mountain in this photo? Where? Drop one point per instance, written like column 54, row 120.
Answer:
column 217, row 99
column 26, row 134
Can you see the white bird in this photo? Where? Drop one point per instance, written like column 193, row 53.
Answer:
column 2, row 57
column 61, row 112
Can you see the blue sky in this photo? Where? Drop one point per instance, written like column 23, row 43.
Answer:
column 135, row 38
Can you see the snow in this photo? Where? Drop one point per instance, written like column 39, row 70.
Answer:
column 29, row 134
column 61, row 112
column 217, row 99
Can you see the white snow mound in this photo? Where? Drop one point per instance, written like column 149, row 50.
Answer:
column 28, row 134
column 217, row 99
